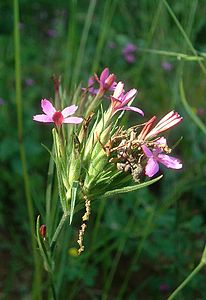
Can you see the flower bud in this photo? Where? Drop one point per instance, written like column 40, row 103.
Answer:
column 42, row 231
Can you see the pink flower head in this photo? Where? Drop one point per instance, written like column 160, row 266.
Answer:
column 51, row 115
column 106, row 80
column 171, row 119
column 156, row 156
column 120, row 100
column 106, row 83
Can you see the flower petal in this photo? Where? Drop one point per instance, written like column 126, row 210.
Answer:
column 147, row 151
column 152, row 167
column 135, row 109
column 169, row 161
column 43, row 118
column 73, row 120
column 47, row 107
column 69, row 110
column 128, row 96
column 104, row 75
column 118, row 90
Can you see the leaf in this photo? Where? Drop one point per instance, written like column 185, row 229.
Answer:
column 73, row 200
column 130, row 188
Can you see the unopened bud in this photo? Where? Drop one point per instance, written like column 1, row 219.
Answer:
column 109, row 81
column 42, row 231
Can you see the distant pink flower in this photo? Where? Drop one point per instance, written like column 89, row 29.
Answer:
column 156, row 156
column 129, row 52
column 130, row 58
column 2, row 101
column 120, row 100
column 167, row 66
column 168, row 121
column 51, row 115
column 164, row 287
column 51, row 32
column 29, row 81
column 200, row 111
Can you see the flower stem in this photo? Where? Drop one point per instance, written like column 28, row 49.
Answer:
column 59, row 228
column 185, row 282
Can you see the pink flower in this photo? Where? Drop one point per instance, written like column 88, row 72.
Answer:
column 120, row 100
column 106, row 83
column 106, row 80
column 167, row 66
column 170, row 120
column 51, row 115
column 129, row 52
column 156, row 156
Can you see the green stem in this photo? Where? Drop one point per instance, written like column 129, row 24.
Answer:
column 184, row 34
column 36, row 293
column 58, row 230
column 82, row 46
column 186, row 281
column 53, row 287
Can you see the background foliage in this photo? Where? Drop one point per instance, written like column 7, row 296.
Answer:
column 141, row 245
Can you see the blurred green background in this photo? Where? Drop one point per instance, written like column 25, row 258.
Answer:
column 138, row 246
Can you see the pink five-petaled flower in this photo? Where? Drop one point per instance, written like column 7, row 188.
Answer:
column 156, row 156
column 51, row 115
column 168, row 121
column 120, row 100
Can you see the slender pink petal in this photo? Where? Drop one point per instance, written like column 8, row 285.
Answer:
column 118, row 90
column 147, row 151
column 104, row 75
column 91, row 81
column 109, row 81
column 68, row 111
column 167, row 122
column 47, row 107
column 146, row 128
column 169, row 161
column 43, row 118
column 152, row 167
column 128, row 96
column 135, row 109
column 74, row 120
column 166, row 117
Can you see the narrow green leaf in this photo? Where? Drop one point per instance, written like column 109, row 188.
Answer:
column 73, row 199
column 130, row 188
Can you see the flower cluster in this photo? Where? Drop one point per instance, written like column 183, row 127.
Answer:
column 131, row 151
column 98, row 158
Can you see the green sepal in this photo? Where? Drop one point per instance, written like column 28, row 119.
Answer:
column 73, row 200
column 61, row 171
